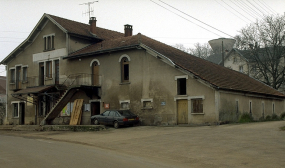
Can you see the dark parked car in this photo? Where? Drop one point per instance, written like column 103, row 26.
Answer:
column 116, row 118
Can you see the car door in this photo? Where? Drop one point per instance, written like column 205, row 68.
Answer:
column 110, row 118
column 103, row 118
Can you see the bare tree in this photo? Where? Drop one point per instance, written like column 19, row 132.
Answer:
column 201, row 50
column 264, row 40
column 180, row 47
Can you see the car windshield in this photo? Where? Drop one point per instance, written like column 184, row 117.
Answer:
column 126, row 113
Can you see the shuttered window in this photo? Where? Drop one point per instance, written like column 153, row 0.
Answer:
column 197, row 105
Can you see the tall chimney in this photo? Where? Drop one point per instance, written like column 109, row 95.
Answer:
column 92, row 23
column 128, row 30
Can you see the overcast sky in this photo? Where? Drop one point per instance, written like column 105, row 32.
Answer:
column 153, row 18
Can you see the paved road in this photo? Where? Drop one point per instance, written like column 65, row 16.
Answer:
column 34, row 153
column 246, row 145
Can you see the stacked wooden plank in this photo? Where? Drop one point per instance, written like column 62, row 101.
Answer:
column 76, row 112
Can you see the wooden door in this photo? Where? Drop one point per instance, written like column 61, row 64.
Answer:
column 95, row 74
column 182, row 112
column 22, row 113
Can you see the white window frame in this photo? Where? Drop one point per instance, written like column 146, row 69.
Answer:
column 124, row 101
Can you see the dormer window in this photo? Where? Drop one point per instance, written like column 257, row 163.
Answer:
column 49, row 42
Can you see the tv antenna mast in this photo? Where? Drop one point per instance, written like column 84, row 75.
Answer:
column 90, row 10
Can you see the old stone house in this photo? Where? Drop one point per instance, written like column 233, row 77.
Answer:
column 63, row 60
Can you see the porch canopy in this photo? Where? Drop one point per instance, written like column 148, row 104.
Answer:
column 33, row 90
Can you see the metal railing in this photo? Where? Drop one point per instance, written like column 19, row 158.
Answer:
column 68, row 81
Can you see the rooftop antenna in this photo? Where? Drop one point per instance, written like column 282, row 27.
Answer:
column 89, row 10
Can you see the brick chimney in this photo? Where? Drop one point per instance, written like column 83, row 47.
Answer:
column 92, row 23
column 128, row 30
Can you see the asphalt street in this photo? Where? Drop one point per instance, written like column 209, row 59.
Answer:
column 260, row 144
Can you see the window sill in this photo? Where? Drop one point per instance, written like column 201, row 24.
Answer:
column 48, row 78
column 198, row 113
column 25, row 82
column 147, row 108
column 12, row 83
column 48, row 50
column 125, row 83
column 16, row 117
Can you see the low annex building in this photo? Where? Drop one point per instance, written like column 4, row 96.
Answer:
column 63, row 60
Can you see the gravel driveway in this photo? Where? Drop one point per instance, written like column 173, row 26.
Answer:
column 259, row 144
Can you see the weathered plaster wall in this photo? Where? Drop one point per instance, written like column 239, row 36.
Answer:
column 228, row 108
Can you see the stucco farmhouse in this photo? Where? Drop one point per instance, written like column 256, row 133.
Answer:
column 64, row 60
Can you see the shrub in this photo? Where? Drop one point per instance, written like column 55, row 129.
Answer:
column 282, row 116
column 275, row 117
column 245, row 117
column 268, row 118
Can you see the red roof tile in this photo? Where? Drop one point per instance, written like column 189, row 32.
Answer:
column 84, row 29
column 216, row 75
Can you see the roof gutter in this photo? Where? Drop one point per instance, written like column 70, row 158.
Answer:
column 102, row 52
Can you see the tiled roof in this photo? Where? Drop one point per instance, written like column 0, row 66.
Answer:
column 215, row 58
column 84, row 29
column 216, row 75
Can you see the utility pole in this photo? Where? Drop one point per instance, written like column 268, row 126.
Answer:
column 89, row 10
column 223, row 57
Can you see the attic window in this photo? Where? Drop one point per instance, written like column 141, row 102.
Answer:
column 49, row 42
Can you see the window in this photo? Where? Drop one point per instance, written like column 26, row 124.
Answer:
column 15, row 109
column 12, row 74
column 112, row 114
column 181, row 86
column 25, row 78
column 235, row 60
column 273, row 108
column 49, row 69
column 125, row 105
column 105, row 113
column 49, row 42
column 87, row 107
column 241, row 68
column 197, row 105
column 125, row 69
column 147, row 104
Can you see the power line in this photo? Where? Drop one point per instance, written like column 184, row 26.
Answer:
column 236, row 11
column 267, row 6
column 255, row 7
column 184, row 18
column 251, row 9
column 265, row 9
column 13, row 32
column 196, row 19
column 250, row 14
column 231, row 11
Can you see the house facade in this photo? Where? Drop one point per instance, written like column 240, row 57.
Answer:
column 64, row 60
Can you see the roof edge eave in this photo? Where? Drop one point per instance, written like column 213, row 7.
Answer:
column 101, row 51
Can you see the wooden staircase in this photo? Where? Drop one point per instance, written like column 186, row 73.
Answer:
column 60, row 104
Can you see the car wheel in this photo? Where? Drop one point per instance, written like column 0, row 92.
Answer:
column 116, row 124
column 96, row 122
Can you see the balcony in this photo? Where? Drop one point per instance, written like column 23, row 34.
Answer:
column 68, row 81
